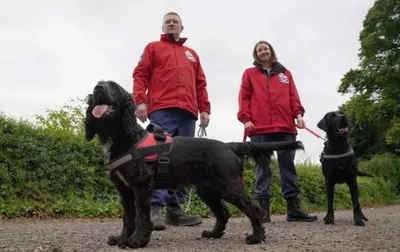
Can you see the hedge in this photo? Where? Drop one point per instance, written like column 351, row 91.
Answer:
column 51, row 172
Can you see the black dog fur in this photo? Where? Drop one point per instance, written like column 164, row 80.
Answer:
column 339, row 164
column 214, row 168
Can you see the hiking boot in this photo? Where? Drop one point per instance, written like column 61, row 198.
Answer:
column 157, row 218
column 264, row 204
column 294, row 213
column 177, row 217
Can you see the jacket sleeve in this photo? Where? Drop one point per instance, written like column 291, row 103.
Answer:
column 201, row 89
column 141, row 75
column 295, row 103
column 244, row 113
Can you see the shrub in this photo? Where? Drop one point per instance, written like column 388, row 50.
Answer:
column 48, row 169
column 387, row 166
column 43, row 171
column 373, row 191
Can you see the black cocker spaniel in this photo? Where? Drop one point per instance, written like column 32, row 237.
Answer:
column 141, row 160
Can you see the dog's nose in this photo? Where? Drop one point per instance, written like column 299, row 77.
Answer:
column 100, row 86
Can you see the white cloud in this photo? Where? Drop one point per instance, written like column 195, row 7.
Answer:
column 54, row 51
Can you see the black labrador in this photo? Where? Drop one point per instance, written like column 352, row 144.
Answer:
column 140, row 160
column 339, row 164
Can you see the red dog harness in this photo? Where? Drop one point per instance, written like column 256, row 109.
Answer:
column 148, row 147
column 155, row 146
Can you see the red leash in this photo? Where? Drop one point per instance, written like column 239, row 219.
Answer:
column 315, row 134
column 245, row 135
column 247, row 132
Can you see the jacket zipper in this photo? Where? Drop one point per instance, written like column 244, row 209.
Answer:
column 177, row 75
column 269, row 94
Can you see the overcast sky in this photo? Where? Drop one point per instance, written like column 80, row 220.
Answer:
column 52, row 51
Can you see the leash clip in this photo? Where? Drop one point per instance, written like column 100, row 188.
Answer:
column 202, row 131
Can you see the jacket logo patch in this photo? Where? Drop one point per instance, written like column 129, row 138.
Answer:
column 283, row 78
column 190, row 56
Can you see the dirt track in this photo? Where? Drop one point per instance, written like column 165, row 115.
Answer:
column 381, row 233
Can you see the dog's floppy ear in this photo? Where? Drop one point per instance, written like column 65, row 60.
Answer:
column 129, row 117
column 322, row 124
column 90, row 130
column 89, row 99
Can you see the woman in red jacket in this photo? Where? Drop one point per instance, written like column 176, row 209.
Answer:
column 268, row 106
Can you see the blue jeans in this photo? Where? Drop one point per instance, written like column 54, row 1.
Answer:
column 176, row 122
column 287, row 168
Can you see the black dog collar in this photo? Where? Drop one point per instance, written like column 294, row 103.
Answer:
column 334, row 156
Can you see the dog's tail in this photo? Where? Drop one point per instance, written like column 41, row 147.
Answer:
column 364, row 174
column 261, row 151
column 254, row 149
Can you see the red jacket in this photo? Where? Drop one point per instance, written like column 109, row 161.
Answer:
column 172, row 75
column 269, row 101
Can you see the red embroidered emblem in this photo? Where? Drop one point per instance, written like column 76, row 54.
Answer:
column 149, row 141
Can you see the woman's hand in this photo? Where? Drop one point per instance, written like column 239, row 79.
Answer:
column 300, row 122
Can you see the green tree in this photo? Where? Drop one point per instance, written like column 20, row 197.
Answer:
column 375, row 106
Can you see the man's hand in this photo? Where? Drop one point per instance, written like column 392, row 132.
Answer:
column 300, row 122
column 204, row 119
column 248, row 127
column 248, row 124
column 141, row 112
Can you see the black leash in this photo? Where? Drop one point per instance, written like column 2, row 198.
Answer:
column 200, row 133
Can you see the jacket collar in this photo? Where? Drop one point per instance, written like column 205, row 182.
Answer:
column 170, row 38
column 275, row 69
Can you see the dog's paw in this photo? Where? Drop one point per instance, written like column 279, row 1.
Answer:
column 359, row 219
column 253, row 239
column 211, row 234
column 138, row 243
column 113, row 240
column 363, row 217
column 133, row 244
column 359, row 223
column 329, row 220
column 122, row 242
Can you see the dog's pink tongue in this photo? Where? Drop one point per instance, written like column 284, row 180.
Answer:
column 99, row 110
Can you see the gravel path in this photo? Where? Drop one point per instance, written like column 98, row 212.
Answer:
column 381, row 233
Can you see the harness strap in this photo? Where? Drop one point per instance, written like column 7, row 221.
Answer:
column 133, row 154
column 163, row 170
column 111, row 166
column 118, row 162
column 159, row 148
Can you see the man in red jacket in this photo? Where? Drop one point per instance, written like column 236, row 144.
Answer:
column 268, row 106
column 173, row 77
